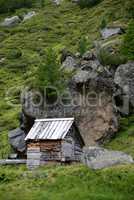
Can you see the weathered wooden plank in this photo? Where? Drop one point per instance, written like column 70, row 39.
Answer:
column 33, row 149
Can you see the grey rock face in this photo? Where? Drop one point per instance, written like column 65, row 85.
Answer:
column 26, row 122
column 124, row 79
column 29, row 15
column 57, row 2
column 11, row 22
column 91, row 66
column 16, row 139
column 69, row 64
column 81, row 77
column 108, row 32
column 98, row 158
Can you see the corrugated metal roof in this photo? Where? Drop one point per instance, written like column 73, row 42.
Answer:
column 50, row 129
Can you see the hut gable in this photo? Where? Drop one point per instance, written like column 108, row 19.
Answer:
column 53, row 140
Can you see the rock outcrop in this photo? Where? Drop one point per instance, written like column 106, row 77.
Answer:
column 88, row 98
column 15, row 20
column 17, row 136
column 124, row 80
column 57, row 2
column 108, row 32
column 69, row 63
column 98, row 158
column 11, row 21
column 16, row 139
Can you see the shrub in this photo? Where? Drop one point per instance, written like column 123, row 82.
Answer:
column 14, row 54
column 88, row 3
column 129, row 8
column 111, row 59
column 11, row 5
column 83, row 45
column 103, row 23
column 39, row 3
column 128, row 44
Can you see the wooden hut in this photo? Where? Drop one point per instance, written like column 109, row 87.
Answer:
column 53, row 140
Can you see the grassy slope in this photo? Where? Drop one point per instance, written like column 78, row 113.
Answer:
column 70, row 182
column 53, row 26
column 124, row 140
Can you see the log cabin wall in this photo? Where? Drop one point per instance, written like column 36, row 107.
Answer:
column 33, row 154
column 72, row 146
column 50, row 150
column 44, row 151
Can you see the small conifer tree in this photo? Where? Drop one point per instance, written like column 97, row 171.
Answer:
column 49, row 73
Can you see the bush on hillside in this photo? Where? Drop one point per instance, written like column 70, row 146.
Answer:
column 88, row 3
column 11, row 5
column 129, row 8
column 110, row 59
column 14, row 53
column 128, row 43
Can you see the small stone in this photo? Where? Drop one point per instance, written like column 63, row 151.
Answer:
column 77, row 55
column 29, row 15
column 2, row 60
column 108, row 32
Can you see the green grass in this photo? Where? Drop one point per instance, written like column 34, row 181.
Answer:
column 67, row 182
column 124, row 140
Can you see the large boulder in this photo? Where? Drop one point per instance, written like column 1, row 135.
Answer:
column 98, row 158
column 16, row 139
column 88, row 98
column 124, row 80
column 108, row 32
column 11, row 21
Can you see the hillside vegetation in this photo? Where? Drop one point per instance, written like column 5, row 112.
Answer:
column 124, row 140
column 22, row 48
